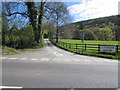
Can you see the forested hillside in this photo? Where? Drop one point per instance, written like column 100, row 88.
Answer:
column 105, row 28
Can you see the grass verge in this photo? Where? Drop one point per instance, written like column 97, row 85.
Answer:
column 9, row 51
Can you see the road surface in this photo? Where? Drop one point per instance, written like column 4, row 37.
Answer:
column 52, row 67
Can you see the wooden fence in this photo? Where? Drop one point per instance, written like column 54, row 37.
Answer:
column 83, row 47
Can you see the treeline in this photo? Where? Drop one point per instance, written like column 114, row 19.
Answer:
column 105, row 33
column 24, row 37
column 105, row 28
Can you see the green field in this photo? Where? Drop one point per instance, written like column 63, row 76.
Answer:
column 90, row 47
column 89, row 42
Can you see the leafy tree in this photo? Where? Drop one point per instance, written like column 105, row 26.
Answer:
column 89, row 35
column 96, row 32
column 48, row 29
column 4, row 29
column 106, row 34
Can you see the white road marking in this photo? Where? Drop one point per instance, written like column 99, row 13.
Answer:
column 59, row 54
column 44, row 59
column 3, row 57
column 10, row 87
column 23, row 58
column 13, row 58
column 34, row 59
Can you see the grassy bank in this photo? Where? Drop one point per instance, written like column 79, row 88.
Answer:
column 9, row 51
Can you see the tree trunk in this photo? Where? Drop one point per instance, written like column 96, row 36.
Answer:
column 40, row 17
column 57, row 35
column 57, row 30
column 35, row 34
column 33, row 16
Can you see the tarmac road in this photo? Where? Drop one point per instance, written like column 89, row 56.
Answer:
column 52, row 67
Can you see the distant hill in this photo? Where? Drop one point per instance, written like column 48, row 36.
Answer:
column 87, row 24
column 99, row 21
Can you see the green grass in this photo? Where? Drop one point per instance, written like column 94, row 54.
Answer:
column 94, row 47
column 9, row 51
column 89, row 42
column 93, row 52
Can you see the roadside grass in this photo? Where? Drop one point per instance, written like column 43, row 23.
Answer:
column 9, row 51
column 88, row 52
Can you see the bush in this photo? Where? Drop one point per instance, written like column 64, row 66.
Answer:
column 23, row 38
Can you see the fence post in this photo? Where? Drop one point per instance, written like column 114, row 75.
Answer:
column 76, row 46
column 66, row 45
column 70, row 45
column 117, row 48
column 85, row 47
column 98, row 48
column 63, row 44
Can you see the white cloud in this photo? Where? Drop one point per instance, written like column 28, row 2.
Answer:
column 89, row 9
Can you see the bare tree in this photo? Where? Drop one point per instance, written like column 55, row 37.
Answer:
column 58, row 14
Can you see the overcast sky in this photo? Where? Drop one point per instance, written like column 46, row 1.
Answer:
column 90, row 9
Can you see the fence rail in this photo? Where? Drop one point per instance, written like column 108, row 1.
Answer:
column 83, row 47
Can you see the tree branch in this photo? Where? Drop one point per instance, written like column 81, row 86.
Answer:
column 10, row 14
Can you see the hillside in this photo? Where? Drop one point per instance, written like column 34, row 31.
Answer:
column 99, row 21
column 73, row 29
